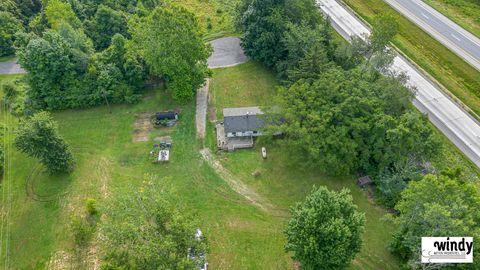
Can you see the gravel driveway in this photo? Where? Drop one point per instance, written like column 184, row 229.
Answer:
column 227, row 52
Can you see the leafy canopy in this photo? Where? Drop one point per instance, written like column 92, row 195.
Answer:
column 9, row 25
column 346, row 124
column 38, row 137
column 264, row 23
column 436, row 206
column 325, row 231
column 170, row 41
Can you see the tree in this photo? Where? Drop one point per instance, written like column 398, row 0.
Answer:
column 263, row 24
column 13, row 98
column 28, row 8
column 385, row 27
column 52, row 70
column 105, row 24
column 344, row 124
column 436, row 206
column 142, row 230
column 9, row 25
column 58, row 12
column 38, row 137
column 393, row 180
column 170, row 41
column 298, row 41
column 373, row 48
column 325, row 231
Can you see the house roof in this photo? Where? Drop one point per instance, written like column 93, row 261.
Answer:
column 242, row 119
column 241, row 111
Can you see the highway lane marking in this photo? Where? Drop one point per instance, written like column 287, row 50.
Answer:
column 424, row 15
column 456, row 37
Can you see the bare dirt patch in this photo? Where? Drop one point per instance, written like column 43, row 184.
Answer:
column 142, row 127
column 60, row 260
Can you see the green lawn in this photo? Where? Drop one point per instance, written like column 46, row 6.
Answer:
column 249, row 84
column 464, row 12
column 451, row 71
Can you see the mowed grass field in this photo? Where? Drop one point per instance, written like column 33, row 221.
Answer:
column 462, row 80
column 283, row 179
column 463, row 12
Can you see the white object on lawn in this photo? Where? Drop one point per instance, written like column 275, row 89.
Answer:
column 163, row 155
column 264, row 152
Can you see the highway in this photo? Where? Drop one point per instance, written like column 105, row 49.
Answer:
column 445, row 114
column 454, row 37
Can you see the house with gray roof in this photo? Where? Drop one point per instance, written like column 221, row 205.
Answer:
column 239, row 127
column 243, row 122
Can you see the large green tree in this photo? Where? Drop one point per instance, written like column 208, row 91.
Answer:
column 343, row 123
column 436, row 206
column 104, row 25
column 170, row 41
column 301, row 41
column 58, row 12
column 38, row 136
column 64, row 72
column 143, row 230
column 50, row 62
column 9, row 25
column 265, row 22
column 325, row 231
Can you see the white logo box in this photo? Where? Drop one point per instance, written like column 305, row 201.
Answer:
column 447, row 250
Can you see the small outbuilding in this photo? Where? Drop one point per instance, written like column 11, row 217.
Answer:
column 364, row 181
column 168, row 118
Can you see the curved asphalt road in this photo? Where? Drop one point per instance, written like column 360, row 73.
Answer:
column 10, row 67
column 444, row 113
column 227, row 52
column 454, row 37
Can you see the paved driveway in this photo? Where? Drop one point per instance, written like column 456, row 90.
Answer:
column 11, row 67
column 227, row 52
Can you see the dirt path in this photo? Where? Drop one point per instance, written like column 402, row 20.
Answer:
column 238, row 186
column 201, row 114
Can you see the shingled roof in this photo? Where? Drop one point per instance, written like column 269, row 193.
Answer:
column 242, row 119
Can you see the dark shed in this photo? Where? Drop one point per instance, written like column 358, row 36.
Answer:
column 166, row 116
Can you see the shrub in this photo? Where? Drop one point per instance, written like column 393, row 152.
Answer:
column 91, row 206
